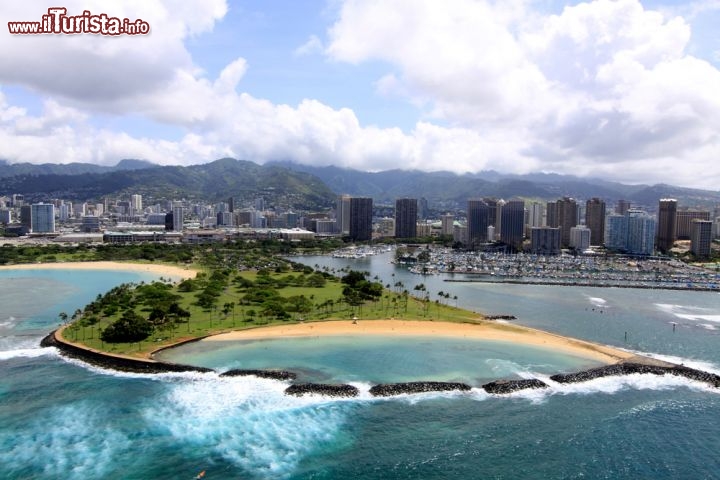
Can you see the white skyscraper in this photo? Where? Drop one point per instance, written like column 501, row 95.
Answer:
column 178, row 218
column 136, row 202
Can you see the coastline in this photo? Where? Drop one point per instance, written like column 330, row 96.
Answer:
column 491, row 331
column 175, row 272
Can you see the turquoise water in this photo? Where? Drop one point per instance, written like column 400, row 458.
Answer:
column 63, row 419
column 378, row 359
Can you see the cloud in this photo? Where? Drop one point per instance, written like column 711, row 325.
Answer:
column 94, row 70
column 311, row 46
column 603, row 88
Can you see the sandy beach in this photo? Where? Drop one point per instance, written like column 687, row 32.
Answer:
column 168, row 271
column 490, row 330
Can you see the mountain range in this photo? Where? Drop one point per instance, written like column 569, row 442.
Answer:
column 309, row 187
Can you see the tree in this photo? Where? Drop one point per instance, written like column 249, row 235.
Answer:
column 131, row 327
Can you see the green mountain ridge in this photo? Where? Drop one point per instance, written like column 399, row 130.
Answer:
column 214, row 181
column 311, row 188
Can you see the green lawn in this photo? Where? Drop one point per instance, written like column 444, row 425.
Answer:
column 322, row 303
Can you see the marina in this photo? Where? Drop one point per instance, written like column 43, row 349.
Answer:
column 593, row 271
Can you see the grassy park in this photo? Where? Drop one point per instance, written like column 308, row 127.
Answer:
column 137, row 319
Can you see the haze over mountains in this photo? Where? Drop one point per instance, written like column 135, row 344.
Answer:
column 315, row 187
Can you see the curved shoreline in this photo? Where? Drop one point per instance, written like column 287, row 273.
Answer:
column 153, row 268
column 114, row 362
column 634, row 364
column 484, row 330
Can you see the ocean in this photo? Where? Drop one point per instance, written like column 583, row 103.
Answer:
column 60, row 418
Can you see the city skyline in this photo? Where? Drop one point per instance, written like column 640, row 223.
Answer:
column 623, row 91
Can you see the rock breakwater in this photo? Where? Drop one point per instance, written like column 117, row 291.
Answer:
column 627, row 368
column 115, row 362
column 343, row 390
column 391, row 389
column 503, row 387
column 271, row 374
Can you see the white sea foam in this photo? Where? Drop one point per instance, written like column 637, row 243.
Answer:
column 688, row 362
column 78, row 441
column 597, row 301
column 249, row 421
column 686, row 312
column 28, row 353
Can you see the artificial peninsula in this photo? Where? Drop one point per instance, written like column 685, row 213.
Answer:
column 266, row 296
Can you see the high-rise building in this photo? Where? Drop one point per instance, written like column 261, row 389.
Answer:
column 701, row 238
column 512, row 220
column 493, row 213
column 622, row 207
column 423, row 208
column 641, row 233
column 26, row 217
column 42, row 218
column 5, row 216
column 406, row 216
column 90, row 223
column 667, row 224
column 632, row 233
column 231, row 204
column 564, row 214
column 447, row 223
column 136, row 203
column 616, row 232
column 178, row 218
column 684, row 219
column 478, row 220
column 595, row 220
column 545, row 240
column 342, row 214
column 580, row 238
column 225, row 219
column 535, row 215
column 361, row 218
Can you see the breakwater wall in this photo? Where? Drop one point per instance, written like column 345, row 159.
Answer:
column 390, row 389
column 627, row 368
column 271, row 374
column 115, row 362
column 599, row 284
column 643, row 365
column 342, row 390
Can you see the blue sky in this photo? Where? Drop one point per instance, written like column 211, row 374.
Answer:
column 623, row 90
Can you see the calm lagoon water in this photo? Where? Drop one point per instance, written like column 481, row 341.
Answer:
column 63, row 419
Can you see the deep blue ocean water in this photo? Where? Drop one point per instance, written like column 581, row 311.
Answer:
column 63, row 419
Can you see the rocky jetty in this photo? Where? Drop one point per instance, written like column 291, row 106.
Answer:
column 500, row 317
column 503, row 387
column 300, row 389
column 630, row 367
column 390, row 389
column 115, row 362
column 271, row 374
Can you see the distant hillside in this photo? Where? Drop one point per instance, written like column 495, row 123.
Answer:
column 443, row 188
column 308, row 187
column 14, row 169
column 213, row 181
